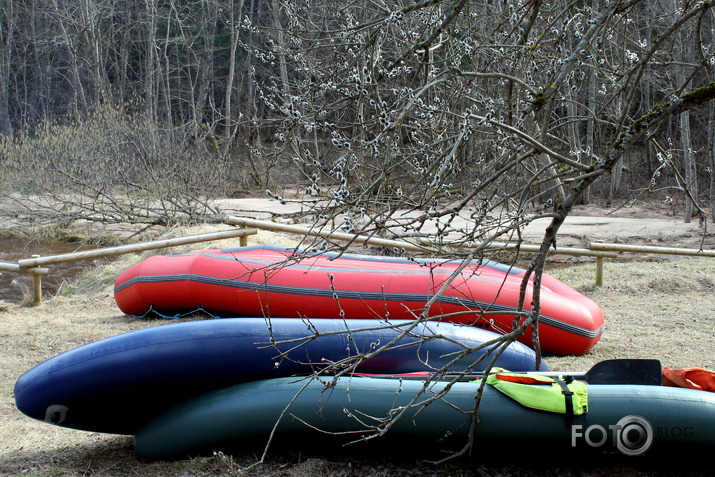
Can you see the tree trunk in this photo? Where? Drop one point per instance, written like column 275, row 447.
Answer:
column 234, row 12
column 150, row 62
column 90, row 18
column 689, row 173
column 688, row 161
column 616, row 172
column 711, row 149
column 205, row 74
column 70, row 43
column 296, row 140
column 38, row 104
column 590, row 130
column 7, row 19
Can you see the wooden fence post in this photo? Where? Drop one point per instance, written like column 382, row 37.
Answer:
column 36, row 286
column 599, row 266
column 599, row 271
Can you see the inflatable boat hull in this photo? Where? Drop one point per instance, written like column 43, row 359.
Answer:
column 276, row 282
column 116, row 384
column 349, row 408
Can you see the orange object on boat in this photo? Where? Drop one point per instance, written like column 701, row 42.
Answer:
column 693, row 378
column 282, row 282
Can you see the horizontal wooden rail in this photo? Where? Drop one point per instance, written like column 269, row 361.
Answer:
column 14, row 267
column 295, row 229
column 131, row 248
column 533, row 248
column 9, row 267
column 33, row 265
column 618, row 247
column 423, row 245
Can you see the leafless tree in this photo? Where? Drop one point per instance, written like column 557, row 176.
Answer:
column 452, row 122
column 462, row 122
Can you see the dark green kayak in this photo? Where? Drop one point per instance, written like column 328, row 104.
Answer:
column 628, row 418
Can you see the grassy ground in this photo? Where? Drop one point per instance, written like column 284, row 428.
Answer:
column 656, row 309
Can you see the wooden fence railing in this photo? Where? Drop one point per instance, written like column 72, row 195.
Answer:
column 36, row 266
column 620, row 247
column 421, row 245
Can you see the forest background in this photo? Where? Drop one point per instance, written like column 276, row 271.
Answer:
column 493, row 110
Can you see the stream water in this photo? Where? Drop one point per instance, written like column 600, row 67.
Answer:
column 14, row 286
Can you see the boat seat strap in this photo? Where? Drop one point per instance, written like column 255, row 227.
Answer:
column 568, row 401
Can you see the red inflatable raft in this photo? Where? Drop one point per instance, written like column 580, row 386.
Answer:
column 279, row 282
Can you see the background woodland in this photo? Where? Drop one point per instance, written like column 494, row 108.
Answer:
column 490, row 111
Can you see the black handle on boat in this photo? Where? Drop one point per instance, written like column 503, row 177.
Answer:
column 611, row 371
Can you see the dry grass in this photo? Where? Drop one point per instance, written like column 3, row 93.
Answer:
column 659, row 309
column 656, row 309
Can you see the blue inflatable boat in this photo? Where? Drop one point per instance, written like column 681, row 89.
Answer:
column 117, row 384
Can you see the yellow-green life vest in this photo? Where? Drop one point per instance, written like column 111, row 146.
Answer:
column 542, row 392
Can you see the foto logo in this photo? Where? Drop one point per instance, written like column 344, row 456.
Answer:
column 631, row 435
